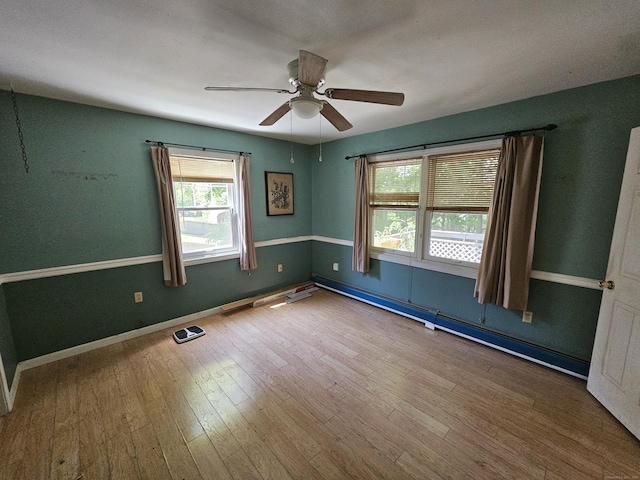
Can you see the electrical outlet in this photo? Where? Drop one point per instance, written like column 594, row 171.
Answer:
column 279, row 267
column 336, row 267
column 137, row 297
column 527, row 317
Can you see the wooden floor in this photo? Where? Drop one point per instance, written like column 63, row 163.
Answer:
column 324, row 388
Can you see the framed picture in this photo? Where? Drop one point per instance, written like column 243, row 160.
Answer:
column 279, row 188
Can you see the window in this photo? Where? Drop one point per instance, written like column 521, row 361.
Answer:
column 433, row 207
column 395, row 201
column 205, row 195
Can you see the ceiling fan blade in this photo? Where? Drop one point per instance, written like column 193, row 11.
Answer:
column 334, row 117
column 310, row 68
column 370, row 96
column 247, row 89
column 277, row 115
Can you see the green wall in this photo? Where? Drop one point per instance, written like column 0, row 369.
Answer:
column 90, row 196
column 582, row 173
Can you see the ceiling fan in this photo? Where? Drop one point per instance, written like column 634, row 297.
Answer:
column 306, row 75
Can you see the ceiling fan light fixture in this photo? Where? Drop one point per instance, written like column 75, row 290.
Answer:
column 305, row 107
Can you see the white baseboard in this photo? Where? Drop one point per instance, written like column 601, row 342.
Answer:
column 5, row 405
column 103, row 342
column 14, row 387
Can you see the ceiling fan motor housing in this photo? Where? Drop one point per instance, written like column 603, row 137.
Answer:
column 292, row 68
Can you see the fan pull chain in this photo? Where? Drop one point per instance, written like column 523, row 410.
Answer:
column 291, row 141
column 320, row 157
column 20, row 137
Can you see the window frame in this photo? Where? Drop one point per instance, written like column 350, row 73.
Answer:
column 219, row 254
column 415, row 207
column 420, row 258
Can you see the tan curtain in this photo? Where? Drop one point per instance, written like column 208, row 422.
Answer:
column 172, row 265
column 503, row 276
column 360, row 260
column 248, row 260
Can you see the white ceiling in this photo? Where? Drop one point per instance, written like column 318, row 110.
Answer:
column 448, row 56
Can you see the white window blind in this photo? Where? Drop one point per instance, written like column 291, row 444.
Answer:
column 395, row 184
column 185, row 169
column 461, row 182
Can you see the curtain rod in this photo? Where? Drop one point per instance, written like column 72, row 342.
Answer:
column 193, row 147
column 547, row 128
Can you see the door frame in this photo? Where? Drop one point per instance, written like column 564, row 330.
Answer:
column 4, row 391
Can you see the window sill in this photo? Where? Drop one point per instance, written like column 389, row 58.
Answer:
column 461, row 269
column 210, row 258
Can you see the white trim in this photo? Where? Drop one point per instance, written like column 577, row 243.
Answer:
column 511, row 352
column 336, row 241
column 429, row 325
column 462, row 270
column 5, row 406
column 211, row 258
column 131, row 261
column 14, row 387
column 283, row 241
column 566, row 279
column 103, row 342
column 78, row 268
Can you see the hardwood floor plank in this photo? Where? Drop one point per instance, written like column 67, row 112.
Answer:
column 327, row 467
column 241, row 468
column 12, row 471
column 135, row 353
column 291, row 459
column 38, row 448
column 65, row 455
column 179, row 460
column 374, row 461
column 483, row 456
column 149, row 456
column 93, row 457
column 287, row 425
column 436, row 453
column 261, row 457
column 209, row 463
column 422, row 469
column 117, row 434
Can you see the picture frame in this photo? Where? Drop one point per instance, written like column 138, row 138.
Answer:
column 279, row 190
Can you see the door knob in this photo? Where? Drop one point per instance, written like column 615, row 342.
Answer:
column 609, row 284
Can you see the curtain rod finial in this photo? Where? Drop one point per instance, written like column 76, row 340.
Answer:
column 551, row 126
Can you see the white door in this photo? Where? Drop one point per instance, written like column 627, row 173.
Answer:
column 614, row 376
